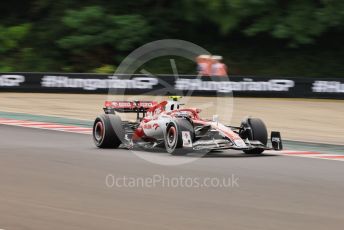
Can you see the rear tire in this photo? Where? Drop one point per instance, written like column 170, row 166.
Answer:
column 174, row 137
column 256, row 131
column 108, row 131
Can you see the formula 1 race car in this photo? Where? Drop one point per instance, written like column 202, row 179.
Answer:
column 177, row 130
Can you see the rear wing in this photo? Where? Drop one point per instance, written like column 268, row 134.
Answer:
column 128, row 106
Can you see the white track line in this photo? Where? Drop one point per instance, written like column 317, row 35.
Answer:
column 308, row 154
column 46, row 125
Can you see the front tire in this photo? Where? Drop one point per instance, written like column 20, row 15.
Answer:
column 255, row 129
column 174, row 137
column 108, row 131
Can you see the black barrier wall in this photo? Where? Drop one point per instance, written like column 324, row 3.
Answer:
column 243, row 86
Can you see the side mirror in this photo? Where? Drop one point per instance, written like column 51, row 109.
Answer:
column 215, row 118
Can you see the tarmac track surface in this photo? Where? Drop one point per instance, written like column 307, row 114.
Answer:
column 56, row 180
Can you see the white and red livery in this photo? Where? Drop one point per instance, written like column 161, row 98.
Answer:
column 177, row 130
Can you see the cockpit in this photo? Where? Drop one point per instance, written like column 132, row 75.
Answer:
column 190, row 113
column 172, row 105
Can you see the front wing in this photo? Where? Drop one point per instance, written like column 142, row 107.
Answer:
column 218, row 144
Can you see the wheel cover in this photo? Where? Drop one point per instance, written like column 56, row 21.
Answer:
column 171, row 137
column 99, row 131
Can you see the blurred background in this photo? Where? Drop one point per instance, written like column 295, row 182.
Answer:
column 262, row 37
